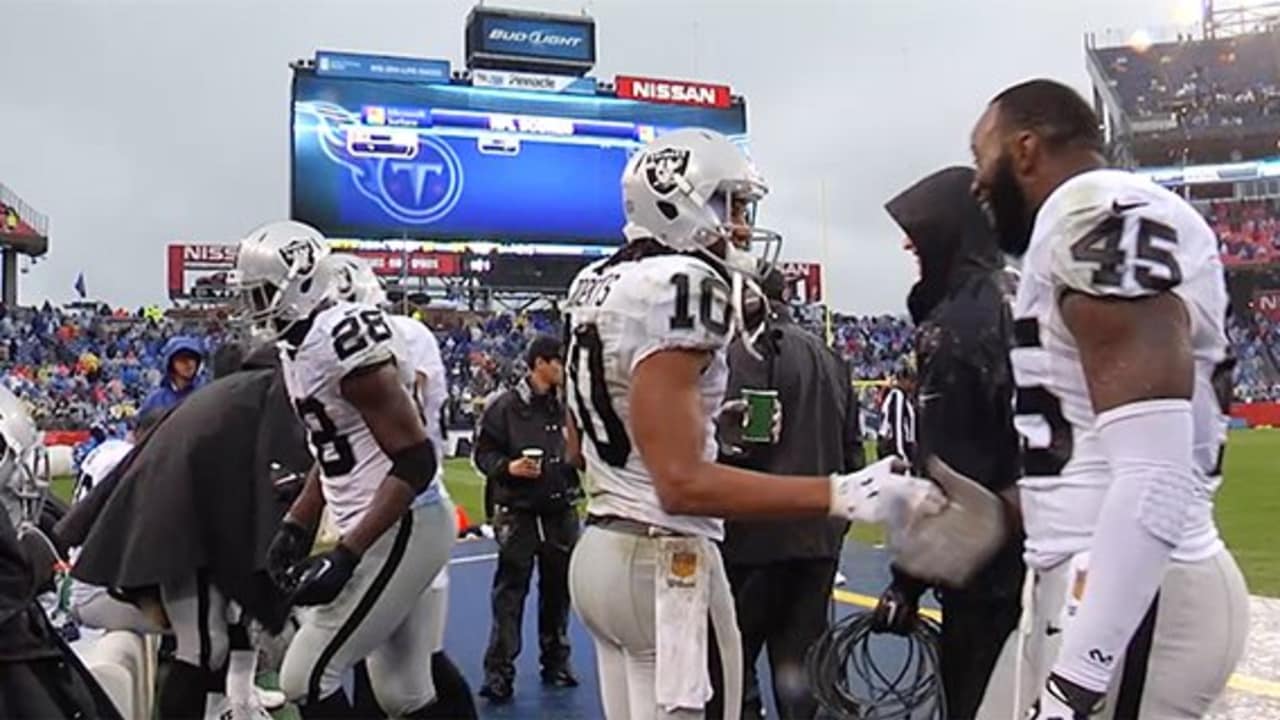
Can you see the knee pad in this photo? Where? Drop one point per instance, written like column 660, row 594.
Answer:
column 400, row 697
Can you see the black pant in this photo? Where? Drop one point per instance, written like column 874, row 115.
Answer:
column 783, row 608
column 524, row 537
column 974, row 629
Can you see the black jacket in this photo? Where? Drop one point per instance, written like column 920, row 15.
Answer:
column 197, row 492
column 23, row 635
column 821, row 434
column 963, row 335
column 514, row 420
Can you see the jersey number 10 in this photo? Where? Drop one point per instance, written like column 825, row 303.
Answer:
column 586, row 364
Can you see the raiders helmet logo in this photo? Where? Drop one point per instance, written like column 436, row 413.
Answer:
column 300, row 255
column 664, row 167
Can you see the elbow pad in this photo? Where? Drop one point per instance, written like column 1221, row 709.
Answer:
column 1149, row 447
column 416, row 465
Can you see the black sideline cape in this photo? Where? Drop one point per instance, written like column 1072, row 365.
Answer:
column 197, row 493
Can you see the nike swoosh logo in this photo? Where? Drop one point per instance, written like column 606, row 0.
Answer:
column 1120, row 208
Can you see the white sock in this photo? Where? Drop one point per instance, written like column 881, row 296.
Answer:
column 241, row 669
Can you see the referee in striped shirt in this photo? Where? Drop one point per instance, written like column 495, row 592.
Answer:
column 897, row 435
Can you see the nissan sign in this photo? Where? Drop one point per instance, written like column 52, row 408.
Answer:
column 677, row 92
column 530, row 41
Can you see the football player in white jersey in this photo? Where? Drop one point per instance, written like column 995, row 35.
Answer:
column 357, row 283
column 351, row 381
column 1138, row 610
column 646, row 376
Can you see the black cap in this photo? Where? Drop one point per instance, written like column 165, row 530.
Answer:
column 543, row 347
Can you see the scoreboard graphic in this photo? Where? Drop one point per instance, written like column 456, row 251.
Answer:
column 382, row 160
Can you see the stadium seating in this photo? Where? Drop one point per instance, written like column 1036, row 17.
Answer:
column 80, row 370
column 1248, row 230
column 1201, row 84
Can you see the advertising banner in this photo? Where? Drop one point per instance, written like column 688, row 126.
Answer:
column 516, row 40
column 804, row 279
column 1267, row 303
column 381, row 67
column 678, row 92
column 508, row 80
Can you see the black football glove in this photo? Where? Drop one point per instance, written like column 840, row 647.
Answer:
column 318, row 580
column 899, row 606
column 1062, row 699
column 291, row 545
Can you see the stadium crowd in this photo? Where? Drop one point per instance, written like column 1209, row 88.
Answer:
column 1202, row 84
column 1248, row 230
column 82, row 369
column 79, row 368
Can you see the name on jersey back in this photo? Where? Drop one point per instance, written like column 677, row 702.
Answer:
column 592, row 290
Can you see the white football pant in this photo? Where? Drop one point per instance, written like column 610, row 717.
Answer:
column 1176, row 667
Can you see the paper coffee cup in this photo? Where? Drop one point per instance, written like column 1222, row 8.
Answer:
column 534, row 454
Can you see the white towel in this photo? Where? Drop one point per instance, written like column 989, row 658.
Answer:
column 681, row 598
column 1076, row 581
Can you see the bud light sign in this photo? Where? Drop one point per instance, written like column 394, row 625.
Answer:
column 511, row 40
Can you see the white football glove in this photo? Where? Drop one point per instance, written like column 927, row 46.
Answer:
column 869, row 494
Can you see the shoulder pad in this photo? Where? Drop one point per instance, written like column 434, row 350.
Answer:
column 686, row 304
column 346, row 337
column 1110, row 233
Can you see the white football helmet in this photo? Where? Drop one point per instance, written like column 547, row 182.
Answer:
column 355, row 281
column 24, row 463
column 281, row 276
column 683, row 189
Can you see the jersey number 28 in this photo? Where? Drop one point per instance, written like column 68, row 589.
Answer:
column 355, row 331
column 332, row 450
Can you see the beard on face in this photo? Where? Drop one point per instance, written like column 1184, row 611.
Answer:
column 1008, row 209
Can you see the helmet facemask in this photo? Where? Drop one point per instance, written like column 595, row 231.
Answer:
column 261, row 303
column 748, row 249
column 27, row 474
column 750, row 253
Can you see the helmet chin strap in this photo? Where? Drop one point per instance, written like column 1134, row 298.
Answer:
column 741, row 285
column 740, row 261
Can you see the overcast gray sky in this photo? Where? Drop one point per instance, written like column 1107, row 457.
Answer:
column 137, row 124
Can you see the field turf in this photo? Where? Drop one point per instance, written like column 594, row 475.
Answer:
column 1248, row 504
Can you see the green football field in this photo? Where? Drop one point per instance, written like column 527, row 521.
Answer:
column 1248, row 504
column 1248, row 508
